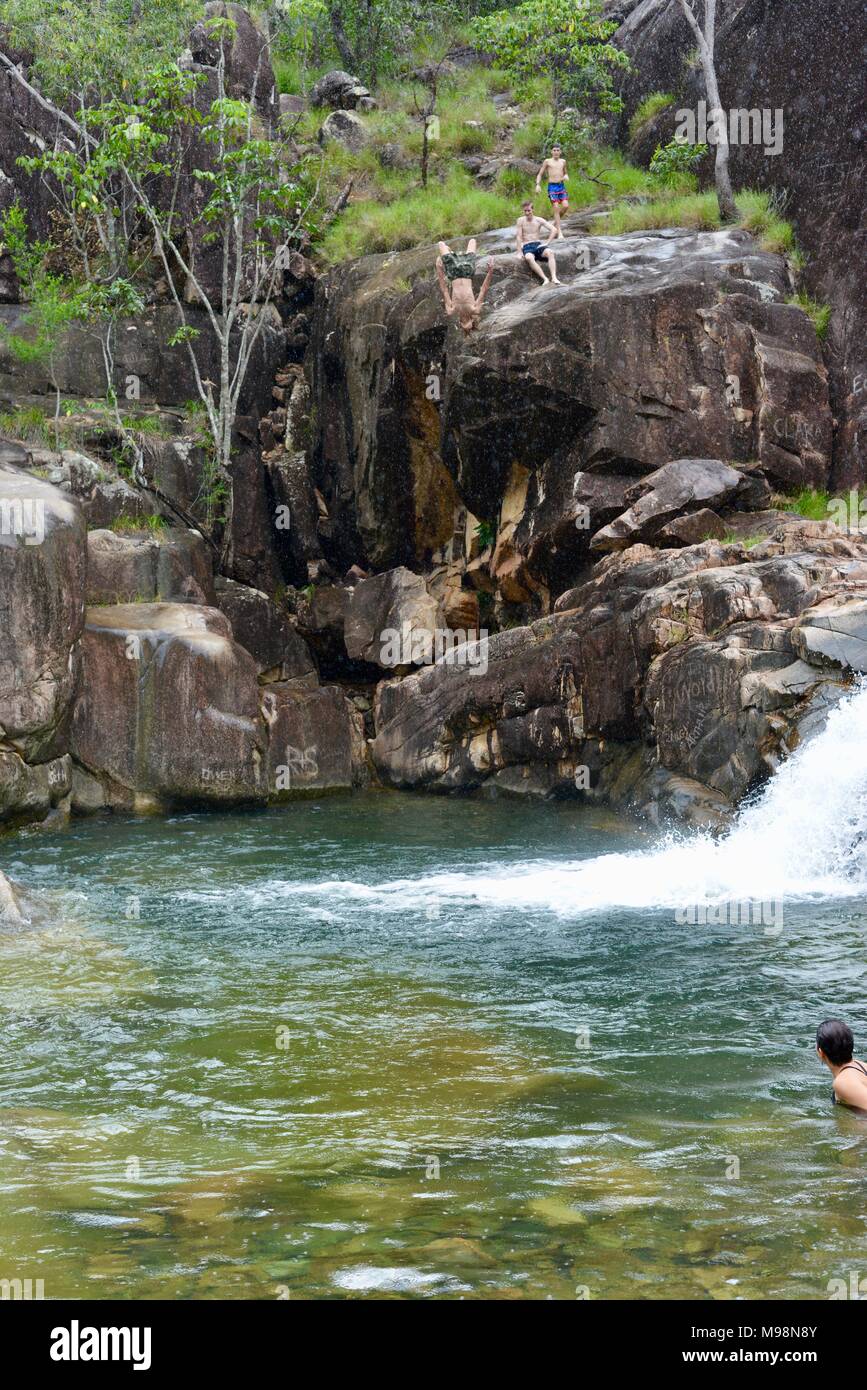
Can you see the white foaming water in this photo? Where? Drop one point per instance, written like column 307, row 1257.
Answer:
column 804, row 836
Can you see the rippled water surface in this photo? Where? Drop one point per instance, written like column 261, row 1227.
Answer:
column 404, row 1047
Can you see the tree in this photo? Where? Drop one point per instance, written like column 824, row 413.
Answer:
column 705, row 37
column 565, row 39
column 132, row 161
column 364, row 32
column 83, row 52
column 431, row 77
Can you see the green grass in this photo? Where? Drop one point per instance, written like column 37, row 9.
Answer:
column 156, row 525
column 746, row 541
column 454, row 207
column 697, row 211
column 809, row 502
column 29, row 424
column 819, row 313
column 759, row 215
column 293, row 76
column 514, row 185
column 647, row 109
column 816, row 504
column 143, row 424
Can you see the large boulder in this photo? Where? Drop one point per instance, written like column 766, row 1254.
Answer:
column 413, row 424
column 168, row 708
column 391, row 620
column 31, row 791
column 671, row 682
column 103, row 496
column 310, row 740
column 817, row 164
column 263, row 630
column 834, row 633
column 140, row 568
column 346, row 128
column 675, row 490
column 339, row 90
column 42, row 593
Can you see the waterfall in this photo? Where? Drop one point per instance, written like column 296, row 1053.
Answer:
column 804, row 835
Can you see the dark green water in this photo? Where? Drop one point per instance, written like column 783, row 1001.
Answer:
column 291, row 1055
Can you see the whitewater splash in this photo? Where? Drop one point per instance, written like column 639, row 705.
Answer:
column 804, row 836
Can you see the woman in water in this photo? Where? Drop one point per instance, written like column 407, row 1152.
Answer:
column 834, row 1044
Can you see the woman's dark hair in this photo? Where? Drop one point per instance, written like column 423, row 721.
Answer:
column 836, row 1040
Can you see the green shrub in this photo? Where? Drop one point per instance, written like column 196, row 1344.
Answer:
column 675, row 162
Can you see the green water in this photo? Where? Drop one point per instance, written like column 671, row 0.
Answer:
column 278, row 1055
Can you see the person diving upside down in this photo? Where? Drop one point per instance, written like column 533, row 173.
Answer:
column 455, row 271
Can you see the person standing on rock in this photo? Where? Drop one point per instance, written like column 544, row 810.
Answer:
column 455, row 273
column 531, row 248
column 554, row 168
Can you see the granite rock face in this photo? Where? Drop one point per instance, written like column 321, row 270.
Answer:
column 260, row 627
column 168, row 711
column 177, row 566
column 816, row 161
column 391, row 620
column 538, row 422
column 42, row 591
column 42, row 598
column 699, row 665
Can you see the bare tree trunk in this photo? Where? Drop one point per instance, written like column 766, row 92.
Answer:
column 341, row 41
column 706, row 39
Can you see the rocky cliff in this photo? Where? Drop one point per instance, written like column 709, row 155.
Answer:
column 555, row 558
column 804, row 60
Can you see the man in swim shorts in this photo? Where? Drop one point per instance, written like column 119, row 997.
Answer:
column 554, row 169
column 455, row 271
column 529, row 244
column 835, row 1044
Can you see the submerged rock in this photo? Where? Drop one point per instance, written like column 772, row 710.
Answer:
column 11, row 914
